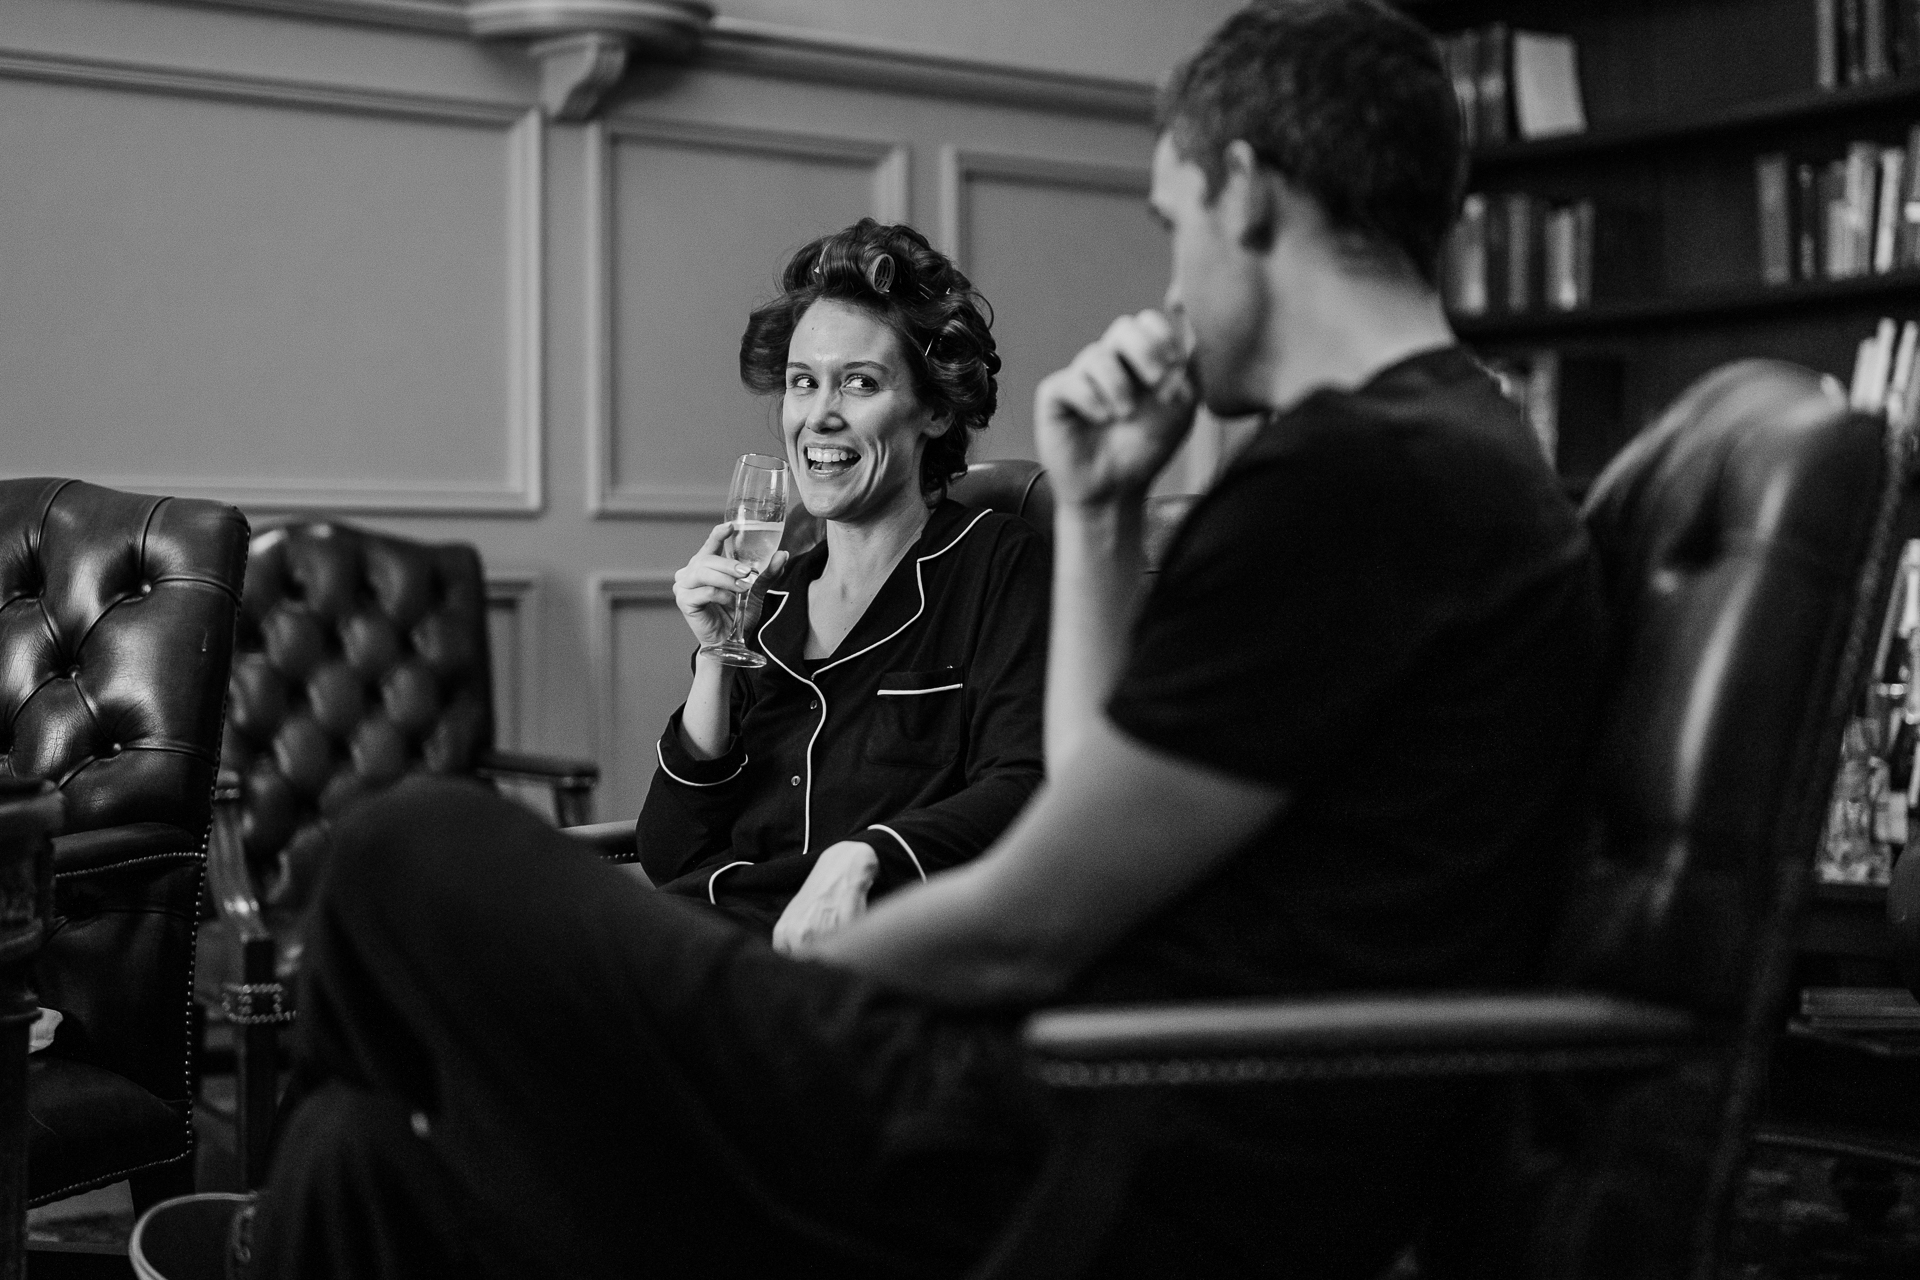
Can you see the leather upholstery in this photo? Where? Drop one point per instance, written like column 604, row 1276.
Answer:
column 1732, row 536
column 362, row 657
column 116, row 630
column 1013, row 485
column 114, row 626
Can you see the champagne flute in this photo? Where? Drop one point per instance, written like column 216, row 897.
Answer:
column 757, row 510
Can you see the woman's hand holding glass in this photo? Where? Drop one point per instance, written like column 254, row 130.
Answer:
column 712, row 586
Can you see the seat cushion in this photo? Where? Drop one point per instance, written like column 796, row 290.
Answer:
column 87, row 1126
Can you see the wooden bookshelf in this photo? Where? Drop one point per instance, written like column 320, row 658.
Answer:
column 1720, row 124
column 1899, row 289
column 1681, row 96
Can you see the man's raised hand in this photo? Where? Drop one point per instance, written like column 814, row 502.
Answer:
column 1107, row 423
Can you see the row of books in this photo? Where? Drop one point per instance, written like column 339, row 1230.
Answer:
column 1886, row 373
column 1859, row 41
column 1575, row 404
column 1514, row 252
column 1514, row 84
column 1854, row 216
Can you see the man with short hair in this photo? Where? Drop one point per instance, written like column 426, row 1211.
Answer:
column 1337, row 748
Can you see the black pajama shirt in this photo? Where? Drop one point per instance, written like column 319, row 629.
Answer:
column 919, row 735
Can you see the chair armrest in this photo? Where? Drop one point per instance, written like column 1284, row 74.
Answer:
column 1355, row 1036
column 571, row 781
column 528, row 766
column 614, row 841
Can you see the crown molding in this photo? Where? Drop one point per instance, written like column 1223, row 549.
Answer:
column 796, row 53
column 769, row 49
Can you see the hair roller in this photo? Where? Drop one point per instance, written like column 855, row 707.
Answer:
column 880, row 273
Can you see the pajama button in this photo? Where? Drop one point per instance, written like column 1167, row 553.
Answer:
column 420, row 1126
column 794, row 781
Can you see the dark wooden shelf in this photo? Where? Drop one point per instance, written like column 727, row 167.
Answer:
column 1680, row 309
column 1744, row 117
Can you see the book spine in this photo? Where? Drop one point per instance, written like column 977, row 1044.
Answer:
column 1852, row 54
column 1562, row 286
column 1886, row 220
column 1495, row 61
column 1473, row 255
column 1776, row 246
column 1826, row 35
column 1833, row 221
column 1584, row 216
column 1862, row 170
column 1876, row 62
column 1806, row 222
column 1523, row 252
column 1907, row 251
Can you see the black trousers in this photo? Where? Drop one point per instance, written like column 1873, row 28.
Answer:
column 515, row 1061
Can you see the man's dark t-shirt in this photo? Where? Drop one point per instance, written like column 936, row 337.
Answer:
column 1387, row 609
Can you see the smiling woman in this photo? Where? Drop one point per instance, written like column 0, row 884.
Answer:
column 895, row 730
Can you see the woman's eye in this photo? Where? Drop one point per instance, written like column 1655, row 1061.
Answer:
column 799, row 382
column 862, row 382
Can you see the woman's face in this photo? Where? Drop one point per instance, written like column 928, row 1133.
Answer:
column 854, row 428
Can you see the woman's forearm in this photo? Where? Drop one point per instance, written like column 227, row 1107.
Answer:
column 706, row 724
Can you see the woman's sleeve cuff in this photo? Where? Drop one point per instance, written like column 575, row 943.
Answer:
column 893, row 847
column 679, row 764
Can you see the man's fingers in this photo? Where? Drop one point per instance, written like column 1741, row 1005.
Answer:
column 1146, row 345
column 1070, row 390
column 1111, row 383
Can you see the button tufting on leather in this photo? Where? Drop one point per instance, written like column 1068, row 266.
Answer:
column 146, row 588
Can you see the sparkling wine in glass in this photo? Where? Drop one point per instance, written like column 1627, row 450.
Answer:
column 757, row 511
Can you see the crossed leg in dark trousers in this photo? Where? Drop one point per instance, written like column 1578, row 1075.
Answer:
column 517, row 1061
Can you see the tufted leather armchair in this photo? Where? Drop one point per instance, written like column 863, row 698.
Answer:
column 116, row 630
column 362, row 657
column 1743, row 543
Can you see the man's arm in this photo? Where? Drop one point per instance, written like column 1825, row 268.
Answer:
column 1121, row 831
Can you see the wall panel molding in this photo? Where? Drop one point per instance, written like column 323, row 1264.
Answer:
column 797, row 53
column 828, row 57
column 523, row 134
column 519, row 593
column 606, row 499
column 960, row 165
column 607, row 594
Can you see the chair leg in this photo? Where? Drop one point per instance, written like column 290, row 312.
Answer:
column 150, row 1186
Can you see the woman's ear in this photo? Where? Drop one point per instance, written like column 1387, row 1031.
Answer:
column 937, row 424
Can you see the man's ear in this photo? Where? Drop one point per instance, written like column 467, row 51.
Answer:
column 1250, row 199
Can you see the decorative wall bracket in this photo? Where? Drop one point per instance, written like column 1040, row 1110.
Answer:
column 585, row 46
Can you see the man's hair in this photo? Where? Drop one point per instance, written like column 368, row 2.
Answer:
column 1346, row 99
column 943, row 323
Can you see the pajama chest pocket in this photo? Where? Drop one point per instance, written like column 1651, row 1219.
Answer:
column 920, row 718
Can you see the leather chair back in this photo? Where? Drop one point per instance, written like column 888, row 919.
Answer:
column 116, row 628
column 362, row 657
column 1742, row 543
column 1012, row 485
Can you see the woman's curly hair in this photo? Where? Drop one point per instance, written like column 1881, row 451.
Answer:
column 943, row 323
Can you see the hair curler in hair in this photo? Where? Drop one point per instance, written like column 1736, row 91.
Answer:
column 880, row 273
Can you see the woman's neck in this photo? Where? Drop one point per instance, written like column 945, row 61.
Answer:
column 859, row 557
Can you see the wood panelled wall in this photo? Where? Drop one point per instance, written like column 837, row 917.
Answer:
column 341, row 265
